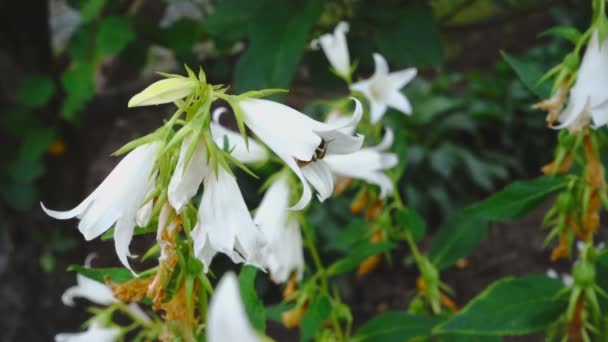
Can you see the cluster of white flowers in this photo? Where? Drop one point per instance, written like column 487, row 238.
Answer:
column 318, row 153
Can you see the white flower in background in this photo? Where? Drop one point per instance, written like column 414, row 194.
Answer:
column 116, row 200
column 283, row 254
column 63, row 21
column 588, row 96
column 164, row 91
column 95, row 333
column 335, row 48
column 301, row 141
column 186, row 179
column 367, row 164
column 227, row 319
column 225, row 224
column 382, row 89
column 96, row 292
column 255, row 153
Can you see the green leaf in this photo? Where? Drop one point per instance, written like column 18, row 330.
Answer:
column 25, row 170
column 468, row 338
column 567, row 32
column 509, row 307
column 113, row 35
column 116, row 274
column 395, row 326
column 356, row 231
column 253, row 304
column 407, row 35
column 35, row 143
column 411, row 221
column 36, row 90
column 462, row 232
column 516, row 199
column 529, row 72
column 91, row 9
column 317, row 313
column 78, row 84
column 360, row 253
column 456, row 239
column 275, row 312
column 231, row 18
column 277, row 38
column 19, row 195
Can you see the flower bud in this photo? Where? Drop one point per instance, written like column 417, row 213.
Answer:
column 164, row 91
column 584, row 274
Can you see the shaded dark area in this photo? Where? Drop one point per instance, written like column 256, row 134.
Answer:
column 31, row 308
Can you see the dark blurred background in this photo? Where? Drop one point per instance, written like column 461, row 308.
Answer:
column 68, row 69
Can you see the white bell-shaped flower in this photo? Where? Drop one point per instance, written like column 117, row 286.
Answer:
column 95, row 333
column 164, row 91
column 227, row 319
column 225, row 224
column 301, row 141
column 283, row 254
column 116, row 200
column 367, row 164
column 254, row 153
column 588, row 96
column 382, row 90
column 186, row 179
column 335, row 48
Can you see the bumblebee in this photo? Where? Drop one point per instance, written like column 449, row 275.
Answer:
column 319, row 153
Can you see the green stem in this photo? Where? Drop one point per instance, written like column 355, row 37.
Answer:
column 321, row 271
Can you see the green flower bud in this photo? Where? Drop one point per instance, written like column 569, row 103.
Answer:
column 584, row 274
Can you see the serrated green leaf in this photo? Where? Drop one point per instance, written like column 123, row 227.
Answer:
column 516, row 199
column 253, row 304
column 117, row 275
column 315, row 315
column 412, row 222
column 529, row 72
column 113, row 35
column 456, row 239
column 36, row 90
column 357, row 255
column 509, row 307
column 395, row 326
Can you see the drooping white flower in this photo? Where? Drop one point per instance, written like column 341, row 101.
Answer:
column 116, row 200
column 382, row 89
column 227, row 319
column 335, row 48
column 95, row 333
column 96, row 292
column 588, row 97
column 225, row 224
column 164, row 91
column 283, row 254
column 367, row 164
column 255, row 153
column 187, row 178
column 296, row 138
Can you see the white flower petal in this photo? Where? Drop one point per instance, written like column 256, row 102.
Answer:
column 387, row 141
column 89, row 289
column 164, row 91
column 599, row 114
column 381, row 66
column 377, row 111
column 402, row 77
column 293, row 136
column 398, row 101
column 335, row 48
column 95, row 333
column 225, row 224
column 319, row 175
column 255, row 153
column 227, row 319
column 186, row 179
